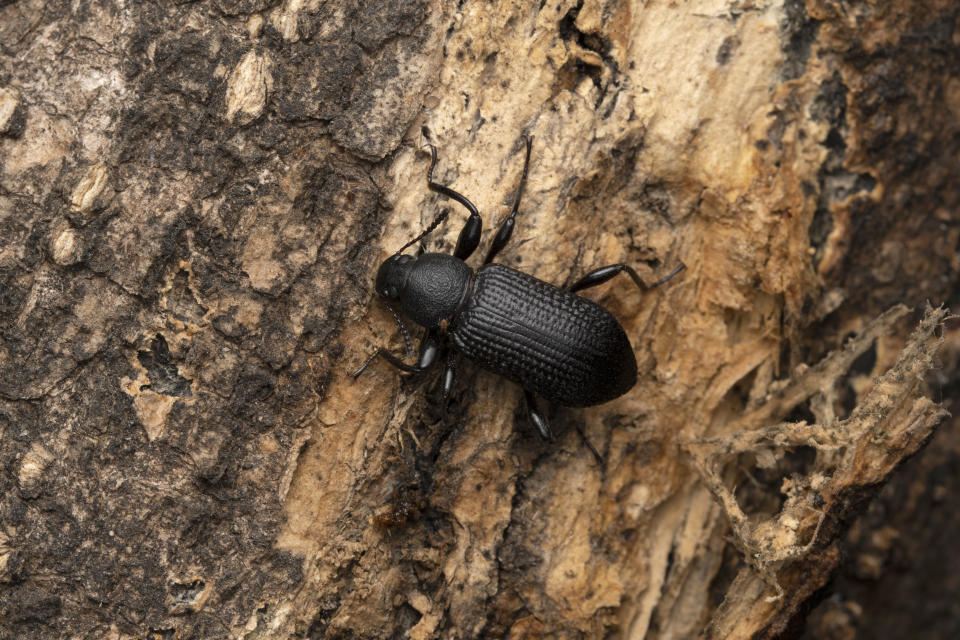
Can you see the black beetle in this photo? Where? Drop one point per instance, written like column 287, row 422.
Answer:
column 547, row 339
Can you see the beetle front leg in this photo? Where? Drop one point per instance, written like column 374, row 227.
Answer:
column 470, row 234
column 506, row 228
column 601, row 275
column 429, row 348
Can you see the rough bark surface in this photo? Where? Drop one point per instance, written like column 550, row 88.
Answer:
column 194, row 198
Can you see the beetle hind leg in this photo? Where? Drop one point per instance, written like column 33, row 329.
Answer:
column 601, row 275
column 538, row 419
column 593, row 450
column 543, row 427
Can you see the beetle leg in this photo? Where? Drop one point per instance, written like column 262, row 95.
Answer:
column 429, row 348
column 593, row 450
column 540, row 422
column 538, row 419
column 469, row 237
column 506, row 228
column 470, row 234
column 448, row 377
column 389, row 357
column 601, row 275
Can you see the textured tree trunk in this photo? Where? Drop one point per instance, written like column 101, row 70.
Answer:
column 194, row 199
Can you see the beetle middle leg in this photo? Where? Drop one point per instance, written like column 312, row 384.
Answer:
column 506, row 228
column 601, row 275
column 429, row 349
column 470, row 234
column 449, row 375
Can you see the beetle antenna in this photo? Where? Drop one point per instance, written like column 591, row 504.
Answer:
column 403, row 329
column 433, row 225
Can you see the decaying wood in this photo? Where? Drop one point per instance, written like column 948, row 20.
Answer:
column 194, row 198
column 892, row 421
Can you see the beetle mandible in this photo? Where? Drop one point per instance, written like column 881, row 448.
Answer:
column 550, row 341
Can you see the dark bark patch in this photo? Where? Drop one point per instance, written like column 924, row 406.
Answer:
column 163, row 374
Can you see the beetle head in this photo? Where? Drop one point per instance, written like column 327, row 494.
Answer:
column 392, row 276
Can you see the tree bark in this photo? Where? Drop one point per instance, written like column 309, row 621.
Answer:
column 194, row 199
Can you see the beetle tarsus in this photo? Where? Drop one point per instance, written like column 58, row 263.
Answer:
column 680, row 267
column 593, row 450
